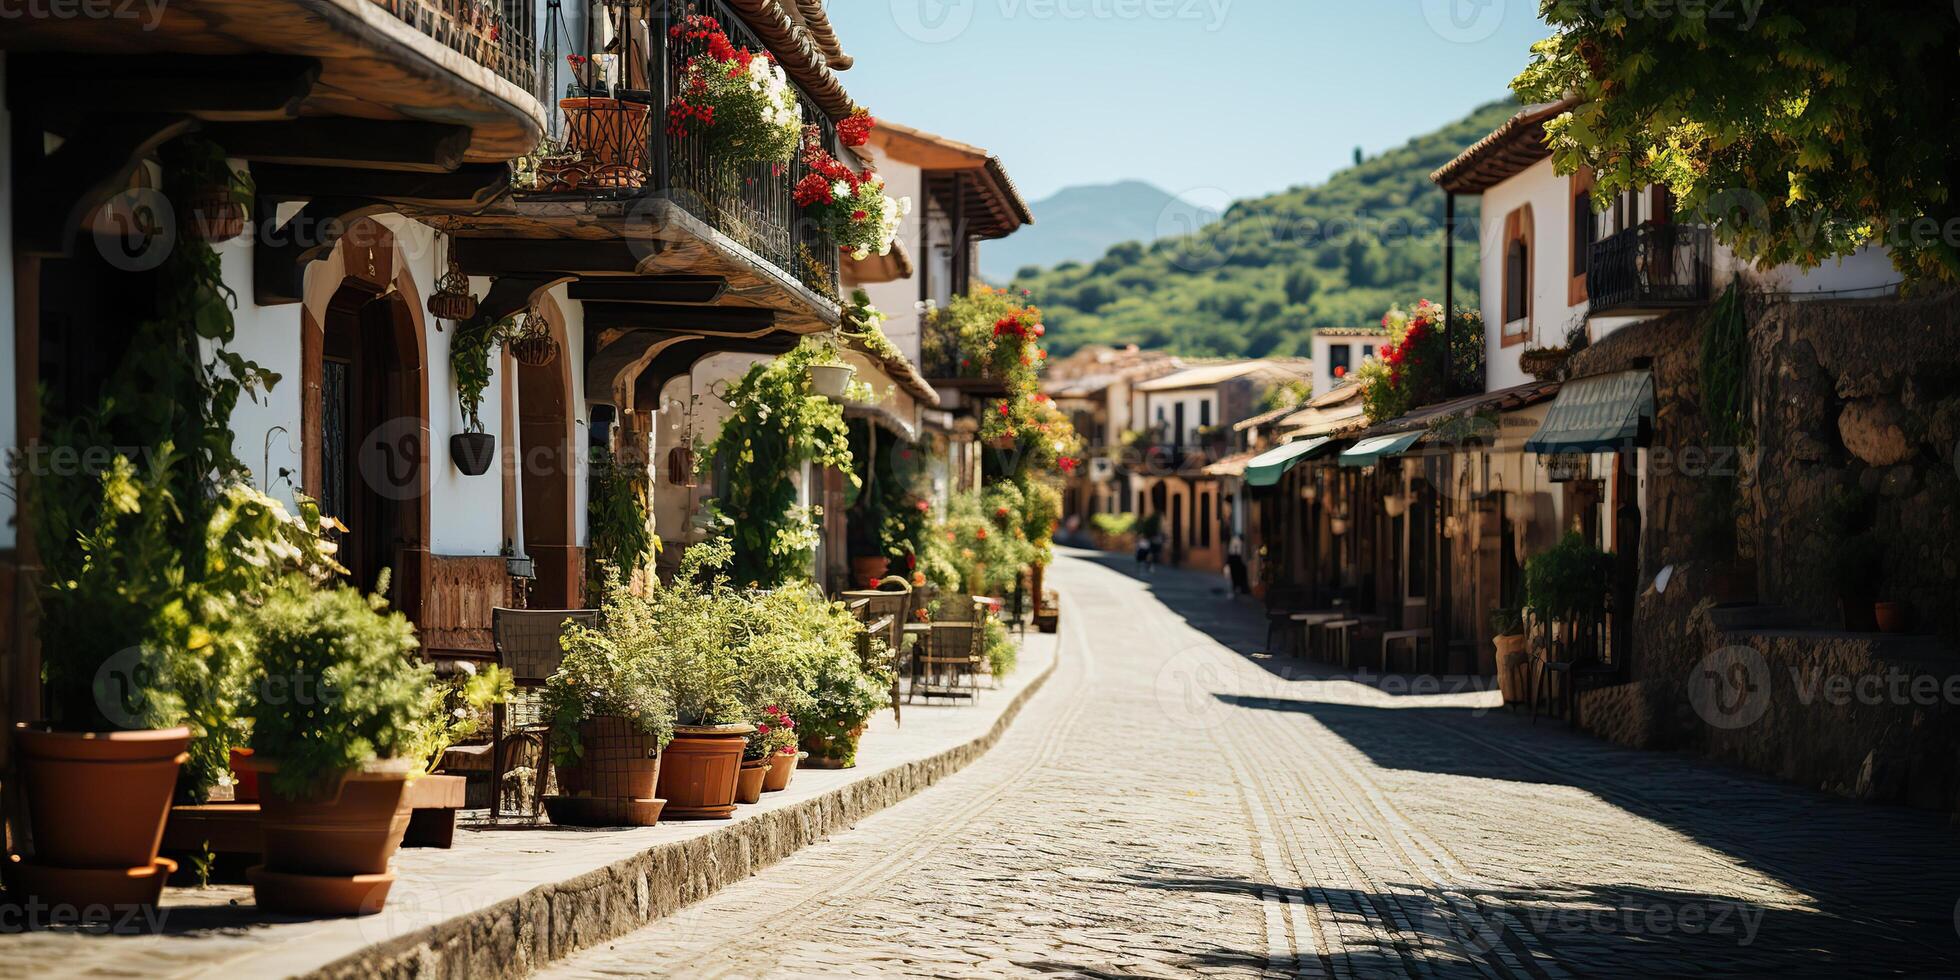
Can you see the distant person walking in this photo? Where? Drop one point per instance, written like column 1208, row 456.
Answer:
column 1235, row 560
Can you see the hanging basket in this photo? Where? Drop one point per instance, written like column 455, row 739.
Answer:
column 452, row 299
column 534, row 349
column 215, row 215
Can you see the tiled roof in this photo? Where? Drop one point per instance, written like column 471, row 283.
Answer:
column 1510, row 148
column 1351, row 332
column 801, row 49
column 1205, row 375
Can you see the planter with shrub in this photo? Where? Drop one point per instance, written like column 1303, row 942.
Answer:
column 335, row 739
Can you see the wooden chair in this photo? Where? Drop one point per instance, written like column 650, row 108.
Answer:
column 951, row 656
column 892, row 609
column 528, row 646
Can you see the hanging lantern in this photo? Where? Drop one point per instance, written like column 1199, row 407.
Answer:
column 680, row 467
column 534, row 346
column 452, row 299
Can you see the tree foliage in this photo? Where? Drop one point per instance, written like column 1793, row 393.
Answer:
column 1805, row 134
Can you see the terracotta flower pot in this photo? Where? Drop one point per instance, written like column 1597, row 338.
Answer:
column 244, row 778
column 782, row 766
column 99, row 799
column 699, row 769
column 1893, row 617
column 748, row 782
column 868, row 572
column 328, row 853
column 618, row 761
column 1511, row 662
column 833, row 753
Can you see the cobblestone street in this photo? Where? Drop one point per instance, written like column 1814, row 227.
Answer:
column 1174, row 801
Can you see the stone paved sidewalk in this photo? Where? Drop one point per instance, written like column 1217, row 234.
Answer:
column 1176, row 802
column 492, row 876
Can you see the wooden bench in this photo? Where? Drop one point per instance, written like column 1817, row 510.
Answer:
column 1415, row 639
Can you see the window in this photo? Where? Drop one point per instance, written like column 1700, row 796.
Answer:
column 1204, row 414
column 1367, row 351
column 1516, row 301
column 1585, row 232
column 1178, row 434
column 1337, row 360
column 1204, row 520
column 1517, row 281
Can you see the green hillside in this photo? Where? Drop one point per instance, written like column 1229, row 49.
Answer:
column 1259, row 281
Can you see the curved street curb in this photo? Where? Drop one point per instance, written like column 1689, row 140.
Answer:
column 516, row 937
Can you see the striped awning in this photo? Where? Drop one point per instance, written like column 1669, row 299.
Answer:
column 1368, row 451
column 1597, row 414
column 1265, row 469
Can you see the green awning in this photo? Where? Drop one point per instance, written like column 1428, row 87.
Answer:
column 1368, row 451
column 1596, row 414
column 1266, row 468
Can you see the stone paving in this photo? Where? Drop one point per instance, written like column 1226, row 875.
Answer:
column 1175, row 802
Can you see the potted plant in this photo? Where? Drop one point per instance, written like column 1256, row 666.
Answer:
column 830, row 376
column 217, row 197
column 340, row 706
column 1567, row 584
column 689, row 629
column 844, row 694
column 850, row 205
column 455, row 708
column 473, row 449
column 739, row 101
column 610, row 718
column 1893, row 617
column 1507, row 658
column 777, row 730
column 608, row 134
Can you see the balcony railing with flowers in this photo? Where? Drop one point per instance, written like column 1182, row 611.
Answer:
column 619, row 135
column 1651, row 267
column 500, row 35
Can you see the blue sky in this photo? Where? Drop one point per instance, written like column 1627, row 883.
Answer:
column 1209, row 99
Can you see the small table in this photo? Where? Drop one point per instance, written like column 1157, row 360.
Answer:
column 1305, row 623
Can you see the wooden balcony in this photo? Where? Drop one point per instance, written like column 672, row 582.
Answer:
column 1651, row 268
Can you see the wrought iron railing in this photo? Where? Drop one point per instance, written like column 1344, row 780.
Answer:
column 1651, row 266
column 614, row 142
column 500, row 35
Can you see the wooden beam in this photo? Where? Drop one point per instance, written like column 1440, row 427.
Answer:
column 652, row 289
column 681, row 358
column 511, row 294
column 280, row 255
column 604, row 365
column 692, row 319
column 471, row 186
column 576, row 256
column 344, row 142
column 54, row 192
column 70, row 86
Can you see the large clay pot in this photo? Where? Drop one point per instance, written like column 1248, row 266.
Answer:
column 617, row 761
column 612, row 135
column 1512, row 662
column 99, row 799
column 328, row 853
column 699, row 769
column 748, row 783
column 866, row 573
column 781, row 767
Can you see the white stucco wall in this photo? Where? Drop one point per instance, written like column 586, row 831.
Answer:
column 265, row 434
column 1359, row 349
column 1194, row 402
column 899, row 299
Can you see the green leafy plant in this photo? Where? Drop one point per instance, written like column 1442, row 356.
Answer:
column 1419, row 365
column 1506, row 621
column 775, row 732
column 342, row 685
column 775, row 425
column 609, row 672
column 1114, row 525
column 843, row 695
column 456, row 708
column 1000, row 648
column 619, row 525
column 470, row 351
column 1570, row 580
column 1803, row 137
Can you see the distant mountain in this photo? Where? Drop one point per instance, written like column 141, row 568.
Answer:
column 1080, row 223
column 1261, row 279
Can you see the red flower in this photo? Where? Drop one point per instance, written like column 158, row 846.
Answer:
column 1340, row 371
column 981, row 534
column 855, row 129
column 859, row 215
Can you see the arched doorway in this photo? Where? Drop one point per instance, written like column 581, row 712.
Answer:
column 365, row 414
column 548, row 458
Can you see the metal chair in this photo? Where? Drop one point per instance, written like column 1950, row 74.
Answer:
column 892, row 608
column 528, row 646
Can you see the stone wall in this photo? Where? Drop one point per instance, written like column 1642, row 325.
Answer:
column 1861, row 394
